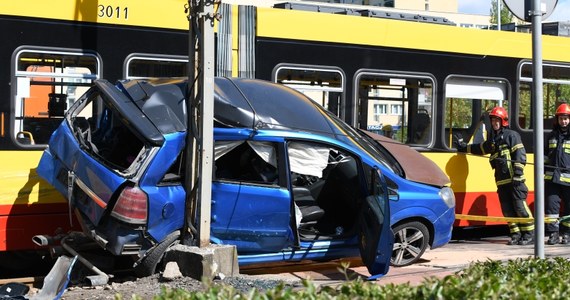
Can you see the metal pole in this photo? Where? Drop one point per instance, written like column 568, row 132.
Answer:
column 536, row 14
column 499, row 14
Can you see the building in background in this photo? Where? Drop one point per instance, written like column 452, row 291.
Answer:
column 436, row 8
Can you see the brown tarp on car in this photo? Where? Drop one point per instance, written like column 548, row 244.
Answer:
column 416, row 167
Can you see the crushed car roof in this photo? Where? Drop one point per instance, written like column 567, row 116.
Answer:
column 238, row 102
column 242, row 103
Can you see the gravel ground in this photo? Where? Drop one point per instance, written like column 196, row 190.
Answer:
column 147, row 287
column 124, row 282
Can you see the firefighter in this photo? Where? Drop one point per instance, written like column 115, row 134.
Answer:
column 508, row 158
column 557, row 177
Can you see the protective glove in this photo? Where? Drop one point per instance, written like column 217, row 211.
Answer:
column 459, row 143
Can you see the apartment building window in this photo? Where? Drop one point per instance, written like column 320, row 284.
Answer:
column 379, row 109
column 396, row 109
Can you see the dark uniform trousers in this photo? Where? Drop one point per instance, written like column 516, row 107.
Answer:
column 513, row 204
column 507, row 158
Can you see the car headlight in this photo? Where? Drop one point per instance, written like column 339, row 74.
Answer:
column 447, row 195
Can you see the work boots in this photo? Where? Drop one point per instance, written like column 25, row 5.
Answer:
column 565, row 238
column 515, row 238
column 553, row 238
column 527, row 238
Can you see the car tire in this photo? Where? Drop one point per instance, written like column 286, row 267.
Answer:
column 148, row 265
column 411, row 240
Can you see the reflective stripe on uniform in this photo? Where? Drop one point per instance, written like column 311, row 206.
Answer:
column 518, row 165
column 504, row 181
column 526, row 227
column 552, row 144
column 565, row 177
column 517, row 147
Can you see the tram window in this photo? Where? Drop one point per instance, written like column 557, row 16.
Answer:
column 467, row 103
column 47, row 83
column 397, row 105
column 555, row 91
column 324, row 85
column 138, row 66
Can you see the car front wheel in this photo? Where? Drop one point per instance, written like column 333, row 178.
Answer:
column 410, row 242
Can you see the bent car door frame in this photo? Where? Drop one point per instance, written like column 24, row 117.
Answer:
column 251, row 215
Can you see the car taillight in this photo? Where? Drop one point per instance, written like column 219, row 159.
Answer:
column 131, row 206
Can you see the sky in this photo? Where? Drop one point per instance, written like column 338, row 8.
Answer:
column 482, row 7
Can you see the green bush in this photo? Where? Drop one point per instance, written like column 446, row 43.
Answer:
column 530, row 278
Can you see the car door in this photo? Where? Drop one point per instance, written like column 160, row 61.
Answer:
column 376, row 238
column 250, row 205
column 351, row 193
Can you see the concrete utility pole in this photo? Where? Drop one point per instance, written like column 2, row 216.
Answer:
column 206, row 149
column 200, row 116
column 196, row 257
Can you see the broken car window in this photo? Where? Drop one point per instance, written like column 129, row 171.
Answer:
column 251, row 161
column 101, row 131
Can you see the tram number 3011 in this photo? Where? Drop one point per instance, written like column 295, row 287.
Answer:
column 108, row 11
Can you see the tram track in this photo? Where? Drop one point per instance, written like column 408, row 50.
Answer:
column 276, row 268
column 32, row 282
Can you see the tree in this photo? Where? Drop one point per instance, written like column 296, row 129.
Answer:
column 506, row 15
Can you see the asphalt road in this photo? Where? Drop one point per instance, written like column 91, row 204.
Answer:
column 440, row 262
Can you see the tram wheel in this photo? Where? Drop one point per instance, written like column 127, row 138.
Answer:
column 411, row 240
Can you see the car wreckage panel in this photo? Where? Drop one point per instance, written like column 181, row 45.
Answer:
column 254, row 218
column 165, row 190
column 64, row 162
column 250, row 103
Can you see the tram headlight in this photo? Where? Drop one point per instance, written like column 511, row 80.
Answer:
column 447, row 195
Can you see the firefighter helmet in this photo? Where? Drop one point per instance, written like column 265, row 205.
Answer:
column 501, row 113
column 563, row 109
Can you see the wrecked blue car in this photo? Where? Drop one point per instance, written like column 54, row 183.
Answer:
column 290, row 181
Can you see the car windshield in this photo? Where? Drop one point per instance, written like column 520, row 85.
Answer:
column 386, row 156
column 367, row 144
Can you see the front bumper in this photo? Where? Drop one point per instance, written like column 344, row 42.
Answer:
column 443, row 228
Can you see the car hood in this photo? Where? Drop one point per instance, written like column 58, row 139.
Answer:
column 416, row 166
